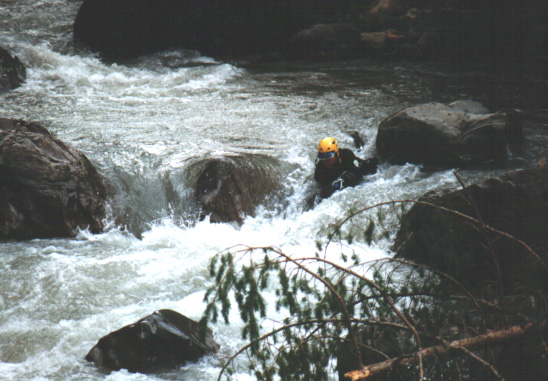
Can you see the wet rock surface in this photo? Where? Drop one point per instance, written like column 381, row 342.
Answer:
column 12, row 71
column 161, row 340
column 48, row 189
column 460, row 134
column 122, row 28
column 230, row 188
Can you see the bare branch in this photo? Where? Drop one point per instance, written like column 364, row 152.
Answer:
column 489, row 339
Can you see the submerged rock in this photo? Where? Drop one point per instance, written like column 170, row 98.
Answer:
column 232, row 187
column 12, row 71
column 47, row 189
column 158, row 341
column 461, row 134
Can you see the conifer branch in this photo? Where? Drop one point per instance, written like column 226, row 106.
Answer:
column 380, row 290
column 301, row 323
column 333, row 291
column 328, row 302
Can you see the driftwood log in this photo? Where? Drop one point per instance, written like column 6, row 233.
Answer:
column 488, row 339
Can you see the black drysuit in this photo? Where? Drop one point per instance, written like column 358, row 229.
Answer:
column 346, row 172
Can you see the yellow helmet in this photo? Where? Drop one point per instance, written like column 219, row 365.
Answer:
column 328, row 148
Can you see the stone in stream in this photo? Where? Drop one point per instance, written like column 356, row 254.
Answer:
column 47, row 189
column 161, row 340
column 12, row 71
column 461, row 134
column 232, row 187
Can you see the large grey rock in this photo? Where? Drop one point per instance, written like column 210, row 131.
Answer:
column 461, row 134
column 47, row 189
column 12, row 71
column 162, row 340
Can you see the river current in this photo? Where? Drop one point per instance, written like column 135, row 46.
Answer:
column 142, row 123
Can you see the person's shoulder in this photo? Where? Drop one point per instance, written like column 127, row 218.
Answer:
column 346, row 153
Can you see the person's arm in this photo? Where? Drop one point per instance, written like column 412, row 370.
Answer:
column 349, row 160
column 359, row 166
column 368, row 166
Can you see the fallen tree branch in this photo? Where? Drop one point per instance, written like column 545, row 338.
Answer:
column 486, row 340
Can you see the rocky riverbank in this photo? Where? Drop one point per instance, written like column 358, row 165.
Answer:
column 279, row 29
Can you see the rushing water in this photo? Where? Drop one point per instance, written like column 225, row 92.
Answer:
column 142, row 123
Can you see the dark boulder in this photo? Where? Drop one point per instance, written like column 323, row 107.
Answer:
column 47, row 189
column 232, row 187
column 461, row 134
column 325, row 42
column 162, row 340
column 12, row 71
column 127, row 28
column 119, row 28
column 516, row 203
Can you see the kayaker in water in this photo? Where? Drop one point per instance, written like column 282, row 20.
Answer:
column 337, row 169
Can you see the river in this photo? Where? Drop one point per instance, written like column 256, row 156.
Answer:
column 143, row 122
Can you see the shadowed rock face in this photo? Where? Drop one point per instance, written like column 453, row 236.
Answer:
column 230, row 188
column 461, row 134
column 515, row 203
column 47, row 189
column 126, row 28
column 325, row 42
column 448, row 30
column 159, row 341
column 12, row 71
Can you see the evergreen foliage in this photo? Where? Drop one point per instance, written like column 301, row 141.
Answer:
column 346, row 314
